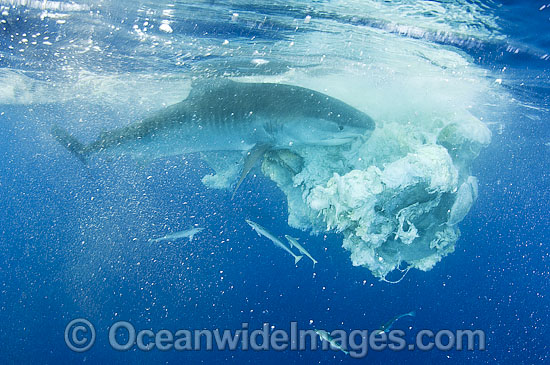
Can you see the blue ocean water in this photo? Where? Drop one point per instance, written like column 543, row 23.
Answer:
column 73, row 240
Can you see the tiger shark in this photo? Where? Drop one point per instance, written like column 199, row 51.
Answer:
column 227, row 116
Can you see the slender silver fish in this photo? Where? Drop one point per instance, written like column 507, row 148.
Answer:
column 264, row 232
column 327, row 337
column 386, row 327
column 189, row 233
column 223, row 116
column 294, row 243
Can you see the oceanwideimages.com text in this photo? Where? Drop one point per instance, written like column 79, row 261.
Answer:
column 80, row 336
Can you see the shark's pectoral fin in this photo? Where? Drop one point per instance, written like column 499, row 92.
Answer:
column 226, row 164
column 255, row 154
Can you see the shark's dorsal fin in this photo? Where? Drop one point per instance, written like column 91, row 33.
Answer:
column 250, row 160
column 201, row 86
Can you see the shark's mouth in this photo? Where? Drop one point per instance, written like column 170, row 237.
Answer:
column 337, row 141
column 332, row 141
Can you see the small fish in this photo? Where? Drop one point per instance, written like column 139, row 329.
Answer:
column 190, row 233
column 388, row 325
column 327, row 337
column 264, row 232
column 294, row 243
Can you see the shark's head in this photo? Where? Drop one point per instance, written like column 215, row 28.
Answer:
column 330, row 123
column 323, row 334
column 254, row 225
column 320, row 132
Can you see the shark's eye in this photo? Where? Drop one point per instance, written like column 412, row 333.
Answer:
column 341, row 127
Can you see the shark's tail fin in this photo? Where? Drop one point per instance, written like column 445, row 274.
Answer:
column 412, row 313
column 296, row 259
column 70, row 143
